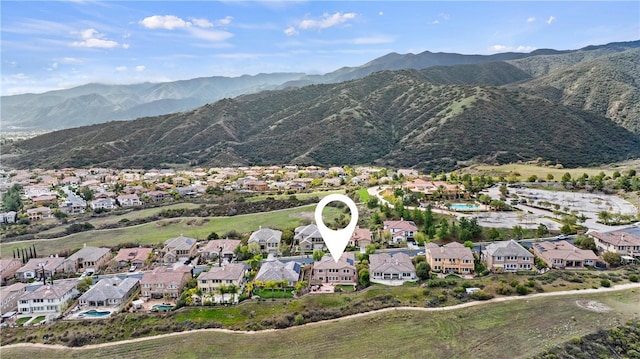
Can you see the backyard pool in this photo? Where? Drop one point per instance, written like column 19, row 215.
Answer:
column 92, row 313
column 464, row 207
column 161, row 308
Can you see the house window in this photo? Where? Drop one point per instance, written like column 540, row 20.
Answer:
column 499, row 258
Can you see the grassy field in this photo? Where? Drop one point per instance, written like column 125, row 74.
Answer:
column 143, row 213
column 364, row 195
column 299, row 196
column 159, row 231
column 515, row 329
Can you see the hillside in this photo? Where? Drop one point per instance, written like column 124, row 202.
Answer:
column 389, row 118
column 69, row 108
column 608, row 86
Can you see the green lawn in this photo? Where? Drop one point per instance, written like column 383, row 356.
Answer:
column 22, row 320
column 277, row 293
column 364, row 195
column 300, row 196
column 159, row 231
column 516, row 329
column 38, row 319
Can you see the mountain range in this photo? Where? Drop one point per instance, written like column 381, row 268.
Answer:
column 69, row 108
column 571, row 107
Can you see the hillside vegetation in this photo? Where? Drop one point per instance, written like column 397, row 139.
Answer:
column 390, row 118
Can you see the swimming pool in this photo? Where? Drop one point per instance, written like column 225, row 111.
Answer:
column 464, row 207
column 92, row 313
column 161, row 308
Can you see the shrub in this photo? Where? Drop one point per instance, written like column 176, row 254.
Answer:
column 605, row 283
column 522, row 290
column 481, row 295
column 633, row 278
column 504, row 290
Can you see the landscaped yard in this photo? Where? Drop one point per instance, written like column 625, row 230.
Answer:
column 38, row 319
column 364, row 195
column 276, row 293
column 22, row 320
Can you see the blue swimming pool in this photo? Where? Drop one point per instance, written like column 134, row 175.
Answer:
column 92, row 313
column 464, row 207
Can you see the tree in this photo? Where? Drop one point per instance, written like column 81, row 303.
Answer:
column 585, row 242
column 429, row 224
column 254, row 248
column 504, row 191
column 518, row 231
column 372, row 202
column 604, row 217
column 317, row 255
column 549, row 177
column 542, row 230
column 363, row 278
column 300, row 286
column 566, row 229
column 493, row 233
column 11, row 200
column 612, row 258
column 213, row 235
column 420, row 238
column 443, row 231
column 271, row 284
column 86, row 193
column 84, row 284
column 422, row 270
column 468, row 244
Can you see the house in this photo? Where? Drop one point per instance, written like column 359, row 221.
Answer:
column 132, row 256
column 9, row 297
column 400, row 230
column 39, row 213
column 449, row 258
column 361, row 237
column 49, row 298
column 156, row 196
column 129, row 200
column 274, row 270
column 256, row 186
column 8, row 268
column 564, row 255
column 40, row 267
column 508, row 256
column 87, row 258
column 268, row 239
column 625, row 241
column 327, row 270
column 8, row 217
column 308, row 238
column 164, row 282
column 179, row 249
column 225, row 275
column 103, row 203
column 72, row 206
column 439, row 189
column 220, row 247
column 110, row 292
column 394, row 270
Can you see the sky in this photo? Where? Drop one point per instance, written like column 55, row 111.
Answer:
column 53, row 45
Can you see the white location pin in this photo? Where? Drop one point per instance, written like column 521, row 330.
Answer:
column 336, row 241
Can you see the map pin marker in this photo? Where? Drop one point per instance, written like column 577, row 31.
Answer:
column 336, row 241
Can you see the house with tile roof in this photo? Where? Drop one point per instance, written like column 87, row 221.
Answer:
column 391, row 269
column 327, row 270
column 48, row 298
column 449, row 258
column 508, row 256
column 164, row 281
column 564, row 255
column 110, row 292
column 268, row 239
column 132, row 256
column 226, row 275
column 625, row 241
column 220, row 247
column 274, row 270
column 87, row 258
column 400, row 230
column 8, row 268
column 179, row 249
column 361, row 237
column 9, row 297
column 309, row 238
column 40, row 267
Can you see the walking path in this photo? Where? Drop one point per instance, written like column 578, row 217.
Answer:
column 419, row 309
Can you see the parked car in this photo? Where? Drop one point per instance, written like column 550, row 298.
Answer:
column 562, row 236
column 133, row 268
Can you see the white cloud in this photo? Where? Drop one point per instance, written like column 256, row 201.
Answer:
column 210, row 35
column 91, row 38
column 224, row 22
column 551, row 19
column 531, row 19
column 53, row 67
column 140, row 68
column 69, row 61
column 168, row 22
column 380, row 13
column 290, row 31
column 326, row 21
column 503, row 48
column 202, row 23
column 121, row 68
column 435, row 22
column 383, row 39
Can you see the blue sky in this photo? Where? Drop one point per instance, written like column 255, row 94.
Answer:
column 53, row 45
